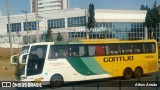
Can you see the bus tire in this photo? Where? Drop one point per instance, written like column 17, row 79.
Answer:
column 127, row 73
column 138, row 72
column 56, row 80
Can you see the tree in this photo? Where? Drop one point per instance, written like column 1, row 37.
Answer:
column 49, row 35
column 91, row 19
column 59, row 37
column 152, row 18
column 142, row 7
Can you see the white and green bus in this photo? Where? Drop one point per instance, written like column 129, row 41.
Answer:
column 58, row 62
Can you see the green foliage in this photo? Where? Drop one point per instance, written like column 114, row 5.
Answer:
column 59, row 37
column 49, row 35
column 91, row 18
column 152, row 17
column 144, row 7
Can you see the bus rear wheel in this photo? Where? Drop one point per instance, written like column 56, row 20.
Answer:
column 56, row 80
column 127, row 73
column 138, row 72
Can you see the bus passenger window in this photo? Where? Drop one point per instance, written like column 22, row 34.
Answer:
column 138, row 48
column 150, row 48
column 127, row 48
column 74, row 50
column 83, row 51
column 56, row 55
column 100, row 50
column 113, row 49
column 58, row 51
column 92, row 50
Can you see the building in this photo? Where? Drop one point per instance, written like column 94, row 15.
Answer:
column 48, row 5
column 71, row 23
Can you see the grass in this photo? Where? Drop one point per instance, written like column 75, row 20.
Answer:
column 6, row 70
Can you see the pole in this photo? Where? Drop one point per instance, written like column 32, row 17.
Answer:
column 37, row 26
column 9, row 28
column 27, row 26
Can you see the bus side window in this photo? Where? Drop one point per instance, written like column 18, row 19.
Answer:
column 91, row 50
column 74, row 50
column 138, row 48
column 53, row 52
column 83, row 51
column 114, row 49
column 150, row 48
column 58, row 51
column 100, row 50
column 127, row 48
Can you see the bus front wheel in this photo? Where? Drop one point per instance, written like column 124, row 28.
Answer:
column 138, row 72
column 56, row 80
column 127, row 73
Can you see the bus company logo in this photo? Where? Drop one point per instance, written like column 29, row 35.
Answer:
column 6, row 84
column 117, row 59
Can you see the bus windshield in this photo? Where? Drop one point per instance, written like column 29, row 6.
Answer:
column 24, row 50
column 36, row 59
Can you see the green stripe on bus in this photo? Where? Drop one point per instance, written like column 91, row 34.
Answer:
column 61, row 43
column 93, row 65
column 80, row 66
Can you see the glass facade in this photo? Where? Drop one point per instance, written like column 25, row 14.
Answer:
column 29, row 25
column 120, row 30
column 56, row 23
column 76, row 21
column 15, row 27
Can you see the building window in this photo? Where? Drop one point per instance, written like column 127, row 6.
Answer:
column 77, row 34
column 15, row 27
column 122, row 30
column 76, row 21
column 56, row 23
column 29, row 25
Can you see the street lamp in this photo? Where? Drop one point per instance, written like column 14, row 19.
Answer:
column 26, row 25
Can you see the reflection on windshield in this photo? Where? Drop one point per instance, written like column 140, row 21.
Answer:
column 36, row 59
column 24, row 50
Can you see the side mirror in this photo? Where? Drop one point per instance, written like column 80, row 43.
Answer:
column 14, row 59
column 23, row 59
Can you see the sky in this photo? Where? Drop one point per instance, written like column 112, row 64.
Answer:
column 17, row 6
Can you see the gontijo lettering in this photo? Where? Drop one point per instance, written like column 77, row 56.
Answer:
column 117, row 59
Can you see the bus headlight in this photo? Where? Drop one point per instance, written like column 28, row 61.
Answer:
column 38, row 80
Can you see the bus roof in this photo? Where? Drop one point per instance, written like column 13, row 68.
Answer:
column 93, row 41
